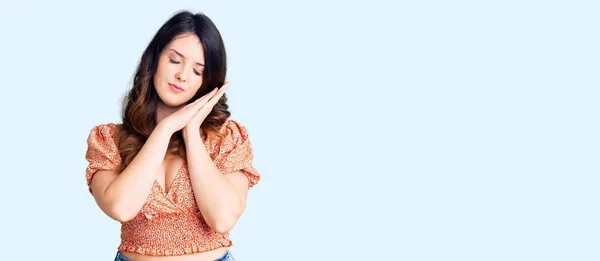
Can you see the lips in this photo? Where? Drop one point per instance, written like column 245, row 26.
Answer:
column 175, row 87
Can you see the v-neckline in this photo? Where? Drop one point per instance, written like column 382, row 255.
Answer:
column 163, row 190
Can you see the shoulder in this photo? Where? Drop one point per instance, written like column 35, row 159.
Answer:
column 233, row 127
column 103, row 132
column 233, row 133
column 105, row 127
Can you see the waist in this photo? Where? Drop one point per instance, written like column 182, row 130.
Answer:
column 221, row 254
column 170, row 235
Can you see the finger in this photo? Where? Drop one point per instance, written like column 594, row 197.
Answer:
column 202, row 100
column 211, row 98
column 205, row 103
column 211, row 93
column 217, row 90
column 219, row 94
column 226, row 84
column 208, row 95
column 205, row 98
column 213, row 101
column 224, row 88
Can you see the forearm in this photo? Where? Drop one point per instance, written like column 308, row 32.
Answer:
column 129, row 191
column 215, row 195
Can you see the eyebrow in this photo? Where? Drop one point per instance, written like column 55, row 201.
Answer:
column 178, row 53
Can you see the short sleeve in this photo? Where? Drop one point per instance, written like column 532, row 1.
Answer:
column 102, row 152
column 235, row 152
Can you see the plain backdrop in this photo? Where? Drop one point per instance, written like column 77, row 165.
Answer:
column 398, row 130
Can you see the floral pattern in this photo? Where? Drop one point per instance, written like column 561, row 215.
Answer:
column 170, row 222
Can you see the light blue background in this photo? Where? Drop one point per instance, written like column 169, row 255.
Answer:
column 407, row 130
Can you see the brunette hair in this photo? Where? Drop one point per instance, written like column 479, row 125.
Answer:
column 141, row 102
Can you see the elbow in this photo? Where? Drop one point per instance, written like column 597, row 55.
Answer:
column 223, row 221
column 114, row 208
column 121, row 214
column 122, row 218
column 222, row 225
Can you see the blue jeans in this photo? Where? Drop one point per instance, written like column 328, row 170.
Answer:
column 226, row 257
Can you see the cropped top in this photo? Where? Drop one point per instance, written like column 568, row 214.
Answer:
column 170, row 223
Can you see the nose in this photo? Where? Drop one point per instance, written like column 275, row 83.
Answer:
column 180, row 76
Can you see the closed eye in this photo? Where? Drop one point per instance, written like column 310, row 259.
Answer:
column 197, row 72
column 173, row 61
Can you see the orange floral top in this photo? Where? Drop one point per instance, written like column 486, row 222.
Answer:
column 170, row 223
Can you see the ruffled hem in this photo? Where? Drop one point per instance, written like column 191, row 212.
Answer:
column 174, row 251
column 170, row 234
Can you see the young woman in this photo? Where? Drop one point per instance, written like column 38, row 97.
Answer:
column 177, row 171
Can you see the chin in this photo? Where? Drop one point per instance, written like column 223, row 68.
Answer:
column 171, row 100
column 172, row 104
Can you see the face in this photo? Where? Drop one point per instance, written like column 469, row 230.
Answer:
column 180, row 68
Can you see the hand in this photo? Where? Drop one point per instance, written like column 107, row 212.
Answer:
column 196, row 121
column 179, row 119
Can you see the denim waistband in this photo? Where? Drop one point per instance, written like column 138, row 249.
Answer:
column 226, row 257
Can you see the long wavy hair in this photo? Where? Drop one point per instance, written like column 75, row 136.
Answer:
column 141, row 102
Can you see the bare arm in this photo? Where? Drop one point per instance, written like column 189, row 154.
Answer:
column 220, row 198
column 122, row 195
